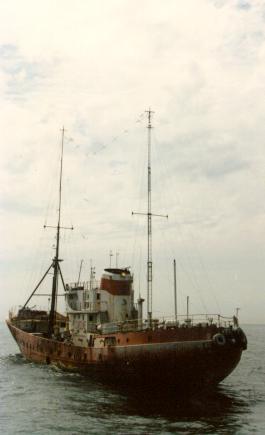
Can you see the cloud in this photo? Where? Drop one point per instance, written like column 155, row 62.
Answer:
column 225, row 167
column 95, row 67
column 243, row 4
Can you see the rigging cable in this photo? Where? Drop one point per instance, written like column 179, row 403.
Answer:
column 166, row 192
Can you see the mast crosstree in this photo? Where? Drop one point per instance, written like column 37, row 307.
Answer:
column 149, row 215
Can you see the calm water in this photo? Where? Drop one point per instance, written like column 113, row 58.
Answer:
column 41, row 400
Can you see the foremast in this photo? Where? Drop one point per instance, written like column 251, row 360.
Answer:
column 56, row 260
column 55, row 264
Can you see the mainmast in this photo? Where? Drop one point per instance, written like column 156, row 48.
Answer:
column 149, row 224
column 149, row 215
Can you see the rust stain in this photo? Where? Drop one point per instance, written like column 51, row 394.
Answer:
column 141, row 358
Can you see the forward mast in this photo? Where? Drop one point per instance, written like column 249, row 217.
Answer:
column 56, row 260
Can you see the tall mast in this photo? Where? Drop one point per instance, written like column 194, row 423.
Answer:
column 56, row 261
column 56, row 257
column 92, row 275
column 149, row 224
column 149, row 215
column 175, row 291
column 80, row 270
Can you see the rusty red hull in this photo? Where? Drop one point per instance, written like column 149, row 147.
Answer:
column 169, row 358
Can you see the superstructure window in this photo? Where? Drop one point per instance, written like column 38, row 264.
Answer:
column 110, row 341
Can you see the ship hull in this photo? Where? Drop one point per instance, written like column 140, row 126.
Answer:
column 168, row 364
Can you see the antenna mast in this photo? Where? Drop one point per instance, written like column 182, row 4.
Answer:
column 175, row 291
column 149, row 215
column 149, row 225
column 92, row 275
column 80, row 270
column 110, row 256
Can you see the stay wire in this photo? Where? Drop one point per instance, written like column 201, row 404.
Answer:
column 165, row 195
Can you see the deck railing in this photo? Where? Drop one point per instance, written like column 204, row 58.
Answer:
column 182, row 321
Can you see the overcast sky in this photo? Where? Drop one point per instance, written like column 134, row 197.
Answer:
column 95, row 67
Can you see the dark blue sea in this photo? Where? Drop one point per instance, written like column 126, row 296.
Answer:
column 37, row 399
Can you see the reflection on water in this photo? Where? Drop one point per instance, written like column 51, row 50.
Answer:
column 215, row 410
column 207, row 404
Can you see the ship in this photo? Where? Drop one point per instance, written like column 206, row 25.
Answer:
column 105, row 334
